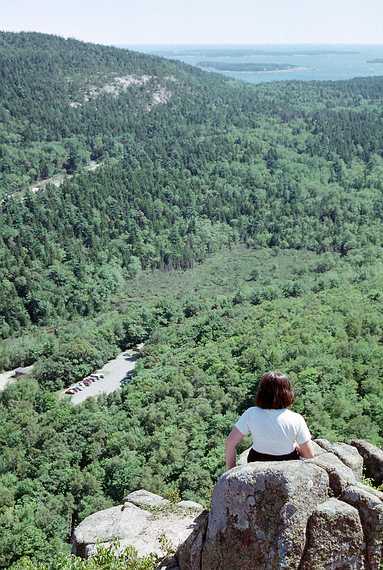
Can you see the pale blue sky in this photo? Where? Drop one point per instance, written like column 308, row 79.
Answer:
column 200, row 21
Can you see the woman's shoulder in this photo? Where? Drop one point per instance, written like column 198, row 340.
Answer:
column 251, row 410
column 294, row 416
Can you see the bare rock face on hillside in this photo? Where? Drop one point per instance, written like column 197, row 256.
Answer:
column 312, row 514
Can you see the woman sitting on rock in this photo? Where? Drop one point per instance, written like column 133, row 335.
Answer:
column 278, row 433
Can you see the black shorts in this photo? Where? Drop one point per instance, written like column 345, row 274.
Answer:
column 256, row 456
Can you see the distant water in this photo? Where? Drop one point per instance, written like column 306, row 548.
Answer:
column 320, row 62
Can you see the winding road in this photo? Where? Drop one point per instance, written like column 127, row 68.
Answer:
column 58, row 179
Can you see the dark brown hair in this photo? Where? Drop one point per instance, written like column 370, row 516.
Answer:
column 274, row 391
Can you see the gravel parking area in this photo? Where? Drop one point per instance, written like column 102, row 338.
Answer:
column 114, row 371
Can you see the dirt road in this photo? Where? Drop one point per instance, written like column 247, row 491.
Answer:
column 10, row 376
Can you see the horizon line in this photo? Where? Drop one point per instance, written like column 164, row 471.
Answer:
column 199, row 43
column 247, row 44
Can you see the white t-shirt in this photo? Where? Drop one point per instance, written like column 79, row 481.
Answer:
column 274, row 431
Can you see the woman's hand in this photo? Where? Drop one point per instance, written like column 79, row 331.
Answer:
column 306, row 450
column 234, row 438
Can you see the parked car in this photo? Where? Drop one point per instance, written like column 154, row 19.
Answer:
column 70, row 391
column 129, row 375
column 98, row 376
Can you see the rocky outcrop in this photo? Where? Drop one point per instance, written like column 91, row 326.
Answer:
column 312, row 514
column 142, row 498
column 340, row 476
column 190, row 505
column 142, row 528
column 189, row 553
column 348, row 454
column 370, row 510
column 372, row 459
column 334, row 538
column 255, row 509
column 242, row 459
column 259, row 514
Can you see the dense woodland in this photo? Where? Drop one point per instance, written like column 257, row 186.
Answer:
column 233, row 228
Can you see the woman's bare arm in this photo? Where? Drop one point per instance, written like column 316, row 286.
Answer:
column 306, row 450
column 234, row 438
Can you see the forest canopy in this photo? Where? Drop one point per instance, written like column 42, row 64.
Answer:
column 233, row 228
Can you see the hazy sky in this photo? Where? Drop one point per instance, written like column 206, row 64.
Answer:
column 200, row 21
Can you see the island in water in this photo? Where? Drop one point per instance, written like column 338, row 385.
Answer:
column 377, row 60
column 252, row 67
column 244, row 52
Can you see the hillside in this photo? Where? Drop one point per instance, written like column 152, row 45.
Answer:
column 62, row 101
column 213, row 163
column 232, row 228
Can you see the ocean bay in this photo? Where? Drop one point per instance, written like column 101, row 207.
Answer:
column 297, row 62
